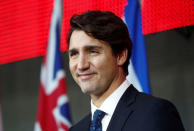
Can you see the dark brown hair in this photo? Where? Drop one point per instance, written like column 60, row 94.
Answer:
column 105, row 26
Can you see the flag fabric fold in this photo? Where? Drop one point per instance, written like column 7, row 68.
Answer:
column 138, row 69
column 53, row 109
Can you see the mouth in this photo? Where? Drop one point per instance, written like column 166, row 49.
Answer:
column 85, row 76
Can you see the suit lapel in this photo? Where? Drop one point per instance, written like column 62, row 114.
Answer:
column 85, row 126
column 123, row 110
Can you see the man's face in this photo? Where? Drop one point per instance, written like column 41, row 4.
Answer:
column 92, row 63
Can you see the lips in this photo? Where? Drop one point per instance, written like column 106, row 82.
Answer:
column 86, row 76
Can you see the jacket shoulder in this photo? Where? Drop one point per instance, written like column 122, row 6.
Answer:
column 82, row 125
column 153, row 113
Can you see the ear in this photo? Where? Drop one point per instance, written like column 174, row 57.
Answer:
column 122, row 57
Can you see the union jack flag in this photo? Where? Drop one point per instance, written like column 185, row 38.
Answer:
column 53, row 109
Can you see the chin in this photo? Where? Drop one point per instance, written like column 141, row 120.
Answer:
column 87, row 90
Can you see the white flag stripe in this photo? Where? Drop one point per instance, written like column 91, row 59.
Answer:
column 132, row 77
column 51, row 84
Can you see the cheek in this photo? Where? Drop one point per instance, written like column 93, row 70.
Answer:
column 107, row 66
column 105, row 61
column 72, row 67
column 99, row 63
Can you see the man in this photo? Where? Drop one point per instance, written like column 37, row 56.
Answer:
column 99, row 52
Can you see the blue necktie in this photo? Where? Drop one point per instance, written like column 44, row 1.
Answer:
column 96, row 124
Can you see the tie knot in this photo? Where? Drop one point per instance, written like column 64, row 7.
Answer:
column 98, row 115
column 96, row 122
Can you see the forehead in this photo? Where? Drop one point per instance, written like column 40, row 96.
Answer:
column 79, row 39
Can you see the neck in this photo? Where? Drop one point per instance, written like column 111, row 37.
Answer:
column 99, row 99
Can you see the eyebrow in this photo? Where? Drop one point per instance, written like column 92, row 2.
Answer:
column 92, row 47
column 88, row 47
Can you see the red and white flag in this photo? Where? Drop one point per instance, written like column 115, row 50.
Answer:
column 53, row 109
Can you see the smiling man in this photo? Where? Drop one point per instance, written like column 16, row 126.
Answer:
column 94, row 67
column 99, row 52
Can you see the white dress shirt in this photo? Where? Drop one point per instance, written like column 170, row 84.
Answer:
column 110, row 104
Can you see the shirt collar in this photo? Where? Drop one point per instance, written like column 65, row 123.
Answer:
column 111, row 102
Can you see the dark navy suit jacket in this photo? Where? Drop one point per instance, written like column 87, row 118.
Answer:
column 139, row 112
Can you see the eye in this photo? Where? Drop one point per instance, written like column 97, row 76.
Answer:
column 73, row 54
column 93, row 51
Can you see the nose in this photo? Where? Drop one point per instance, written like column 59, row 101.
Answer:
column 83, row 62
